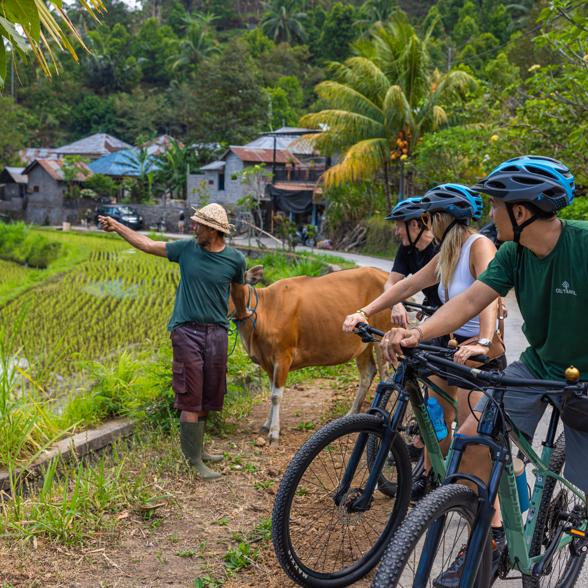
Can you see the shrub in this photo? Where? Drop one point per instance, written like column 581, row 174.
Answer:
column 18, row 244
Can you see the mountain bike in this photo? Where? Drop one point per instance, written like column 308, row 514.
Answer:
column 348, row 487
column 452, row 524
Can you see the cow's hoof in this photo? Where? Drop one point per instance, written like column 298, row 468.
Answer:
column 274, row 443
column 263, row 431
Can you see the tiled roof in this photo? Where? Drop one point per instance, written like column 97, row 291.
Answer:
column 119, row 164
column 263, row 155
column 97, row 145
column 54, row 168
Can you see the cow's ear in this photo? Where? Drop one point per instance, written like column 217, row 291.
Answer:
column 253, row 275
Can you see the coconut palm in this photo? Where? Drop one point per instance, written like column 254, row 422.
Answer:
column 199, row 43
column 383, row 100
column 379, row 11
column 283, row 21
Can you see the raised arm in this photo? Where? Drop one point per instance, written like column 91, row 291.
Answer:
column 405, row 288
column 137, row 240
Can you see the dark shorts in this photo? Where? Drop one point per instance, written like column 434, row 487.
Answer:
column 199, row 366
column 457, row 378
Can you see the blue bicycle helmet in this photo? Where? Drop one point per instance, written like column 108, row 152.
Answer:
column 407, row 210
column 545, row 182
column 458, row 200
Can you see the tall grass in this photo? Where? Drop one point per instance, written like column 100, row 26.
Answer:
column 18, row 243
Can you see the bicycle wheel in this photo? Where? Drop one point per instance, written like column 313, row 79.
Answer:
column 557, row 500
column 410, row 433
column 454, row 507
column 318, row 543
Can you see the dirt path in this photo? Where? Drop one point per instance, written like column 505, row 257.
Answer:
column 178, row 545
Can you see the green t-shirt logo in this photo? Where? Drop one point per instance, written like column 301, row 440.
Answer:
column 565, row 289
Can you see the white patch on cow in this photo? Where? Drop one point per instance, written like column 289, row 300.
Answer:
column 274, row 418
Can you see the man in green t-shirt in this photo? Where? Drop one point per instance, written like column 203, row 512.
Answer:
column 544, row 260
column 210, row 271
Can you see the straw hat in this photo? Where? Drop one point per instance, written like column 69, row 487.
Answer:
column 213, row 215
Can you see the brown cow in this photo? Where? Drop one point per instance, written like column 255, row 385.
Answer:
column 298, row 324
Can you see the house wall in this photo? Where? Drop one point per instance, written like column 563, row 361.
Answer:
column 233, row 189
column 45, row 199
column 9, row 191
column 170, row 214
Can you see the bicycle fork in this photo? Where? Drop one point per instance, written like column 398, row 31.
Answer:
column 363, row 502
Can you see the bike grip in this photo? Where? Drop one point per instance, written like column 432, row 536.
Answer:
column 479, row 358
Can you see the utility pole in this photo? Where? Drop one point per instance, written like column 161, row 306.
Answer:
column 449, row 59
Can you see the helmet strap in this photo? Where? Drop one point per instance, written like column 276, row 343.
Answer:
column 451, row 225
column 412, row 245
column 518, row 229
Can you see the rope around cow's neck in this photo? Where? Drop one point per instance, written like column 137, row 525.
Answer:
column 238, row 322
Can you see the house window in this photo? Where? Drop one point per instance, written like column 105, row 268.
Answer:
column 35, row 188
column 221, row 181
column 211, row 182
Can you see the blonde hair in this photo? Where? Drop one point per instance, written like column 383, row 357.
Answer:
column 451, row 247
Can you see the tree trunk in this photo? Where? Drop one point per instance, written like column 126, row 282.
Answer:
column 401, row 194
column 387, row 188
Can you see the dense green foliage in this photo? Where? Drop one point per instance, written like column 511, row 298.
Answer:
column 215, row 72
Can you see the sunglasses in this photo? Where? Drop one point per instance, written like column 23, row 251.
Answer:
column 426, row 219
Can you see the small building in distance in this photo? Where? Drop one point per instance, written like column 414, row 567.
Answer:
column 45, row 201
column 92, row 147
column 13, row 183
column 121, row 164
column 221, row 176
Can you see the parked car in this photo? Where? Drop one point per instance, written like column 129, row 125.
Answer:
column 124, row 214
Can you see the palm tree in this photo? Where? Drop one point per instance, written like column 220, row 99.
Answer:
column 282, row 21
column 199, row 43
column 379, row 11
column 383, row 99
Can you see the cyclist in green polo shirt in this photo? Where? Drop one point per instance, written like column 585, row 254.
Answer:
column 544, row 260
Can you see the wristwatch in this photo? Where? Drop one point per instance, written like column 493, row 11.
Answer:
column 485, row 342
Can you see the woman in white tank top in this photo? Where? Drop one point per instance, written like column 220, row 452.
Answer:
column 463, row 256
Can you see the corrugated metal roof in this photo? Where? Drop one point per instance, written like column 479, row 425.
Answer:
column 214, row 166
column 95, row 145
column 119, row 163
column 160, row 144
column 16, row 173
column 29, row 155
column 54, row 168
column 263, row 155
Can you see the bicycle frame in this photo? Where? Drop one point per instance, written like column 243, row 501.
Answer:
column 412, row 394
column 502, row 482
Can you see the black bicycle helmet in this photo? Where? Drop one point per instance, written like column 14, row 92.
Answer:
column 406, row 211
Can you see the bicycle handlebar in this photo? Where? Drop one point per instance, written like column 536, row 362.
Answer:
column 428, row 310
column 366, row 333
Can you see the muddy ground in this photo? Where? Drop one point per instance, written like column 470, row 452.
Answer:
column 188, row 539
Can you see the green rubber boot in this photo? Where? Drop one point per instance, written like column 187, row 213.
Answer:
column 214, row 458
column 191, row 439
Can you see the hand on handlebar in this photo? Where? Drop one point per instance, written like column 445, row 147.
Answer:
column 466, row 351
column 352, row 320
column 395, row 339
column 399, row 316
